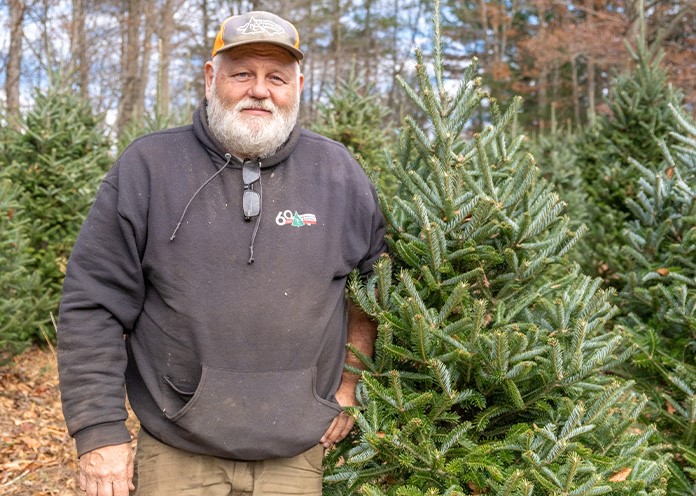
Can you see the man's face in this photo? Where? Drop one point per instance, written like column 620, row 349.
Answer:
column 253, row 98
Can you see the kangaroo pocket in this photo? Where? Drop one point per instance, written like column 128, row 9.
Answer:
column 256, row 415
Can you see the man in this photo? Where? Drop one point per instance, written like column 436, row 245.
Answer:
column 209, row 280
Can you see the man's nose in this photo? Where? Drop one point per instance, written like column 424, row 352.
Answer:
column 259, row 89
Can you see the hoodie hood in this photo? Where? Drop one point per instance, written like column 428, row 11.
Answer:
column 218, row 153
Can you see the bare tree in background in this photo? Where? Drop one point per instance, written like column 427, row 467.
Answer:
column 14, row 59
column 165, row 31
column 79, row 61
column 130, row 85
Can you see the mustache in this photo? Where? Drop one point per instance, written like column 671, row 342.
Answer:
column 249, row 103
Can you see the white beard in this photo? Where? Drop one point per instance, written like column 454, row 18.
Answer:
column 250, row 136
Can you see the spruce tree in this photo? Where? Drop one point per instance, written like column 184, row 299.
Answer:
column 354, row 116
column 55, row 161
column 639, row 120
column 490, row 373
column 555, row 157
column 19, row 288
column 657, row 274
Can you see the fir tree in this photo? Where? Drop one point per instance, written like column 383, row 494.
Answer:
column 355, row 117
column 639, row 121
column 557, row 163
column 657, row 271
column 19, row 288
column 55, row 161
column 148, row 124
column 490, row 367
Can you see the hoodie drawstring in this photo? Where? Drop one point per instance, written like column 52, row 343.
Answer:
column 258, row 221
column 228, row 157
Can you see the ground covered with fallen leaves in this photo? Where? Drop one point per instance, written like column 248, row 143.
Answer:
column 37, row 457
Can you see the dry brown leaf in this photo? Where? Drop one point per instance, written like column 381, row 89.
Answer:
column 621, row 475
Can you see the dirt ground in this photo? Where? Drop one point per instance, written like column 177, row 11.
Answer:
column 37, row 457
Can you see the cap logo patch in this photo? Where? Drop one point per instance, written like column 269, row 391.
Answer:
column 261, row 26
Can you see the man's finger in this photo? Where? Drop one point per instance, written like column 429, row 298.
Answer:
column 106, row 488
column 325, row 439
column 91, row 487
column 82, row 481
column 340, row 427
column 120, row 488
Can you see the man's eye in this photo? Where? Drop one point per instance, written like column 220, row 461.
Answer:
column 277, row 80
column 242, row 76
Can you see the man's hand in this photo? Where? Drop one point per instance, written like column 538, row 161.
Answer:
column 107, row 471
column 341, row 425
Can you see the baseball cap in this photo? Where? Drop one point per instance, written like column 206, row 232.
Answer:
column 257, row 27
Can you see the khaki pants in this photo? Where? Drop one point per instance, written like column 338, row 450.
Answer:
column 165, row 471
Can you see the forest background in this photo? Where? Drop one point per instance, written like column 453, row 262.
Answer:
column 574, row 320
column 132, row 58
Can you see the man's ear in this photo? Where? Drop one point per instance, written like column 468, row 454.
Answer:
column 209, row 71
column 301, row 82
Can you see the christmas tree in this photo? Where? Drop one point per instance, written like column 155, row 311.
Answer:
column 55, row 161
column 490, row 373
column 639, row 121
column 354, row 116
column 19, row 287
column 554, row 153
column 656, row 273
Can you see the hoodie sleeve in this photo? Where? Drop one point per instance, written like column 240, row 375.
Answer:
column 102, row 298
column 376, row 225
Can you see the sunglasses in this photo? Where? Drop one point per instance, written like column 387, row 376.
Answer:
column 251, row 201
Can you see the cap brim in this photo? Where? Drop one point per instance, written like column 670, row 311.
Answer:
column 294, row 51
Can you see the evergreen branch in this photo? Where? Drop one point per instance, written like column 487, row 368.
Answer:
column 483, row 166
column 437, row 48
column 456, row 298
column 442, row 375
column 410, row 92
column 418, row 305
column 513, row 393
column 682, row 119
column 375, row 389
column 407, row 254
column 467, row 98
column 419, row 402
column 466, row 276
column 366, row 360
column 525, row 175
column 433, row 243
column 419, row 185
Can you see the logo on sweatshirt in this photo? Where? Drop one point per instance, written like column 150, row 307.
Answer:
column 288, row 217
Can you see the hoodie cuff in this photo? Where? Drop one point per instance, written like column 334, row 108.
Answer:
column 98, row 436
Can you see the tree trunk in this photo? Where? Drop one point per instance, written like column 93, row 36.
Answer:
column 204, row 50
column 131, row 51
column 591, row 89
column 149, row 20
column 543, row 98
column 79, row 62
column 576, row 89
column 368, row 61
column 166, row 31
column 14, row 60
column 336, row 40
column 483, row 12
column 310, row 108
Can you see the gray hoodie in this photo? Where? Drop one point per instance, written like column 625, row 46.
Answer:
column 220, row 356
